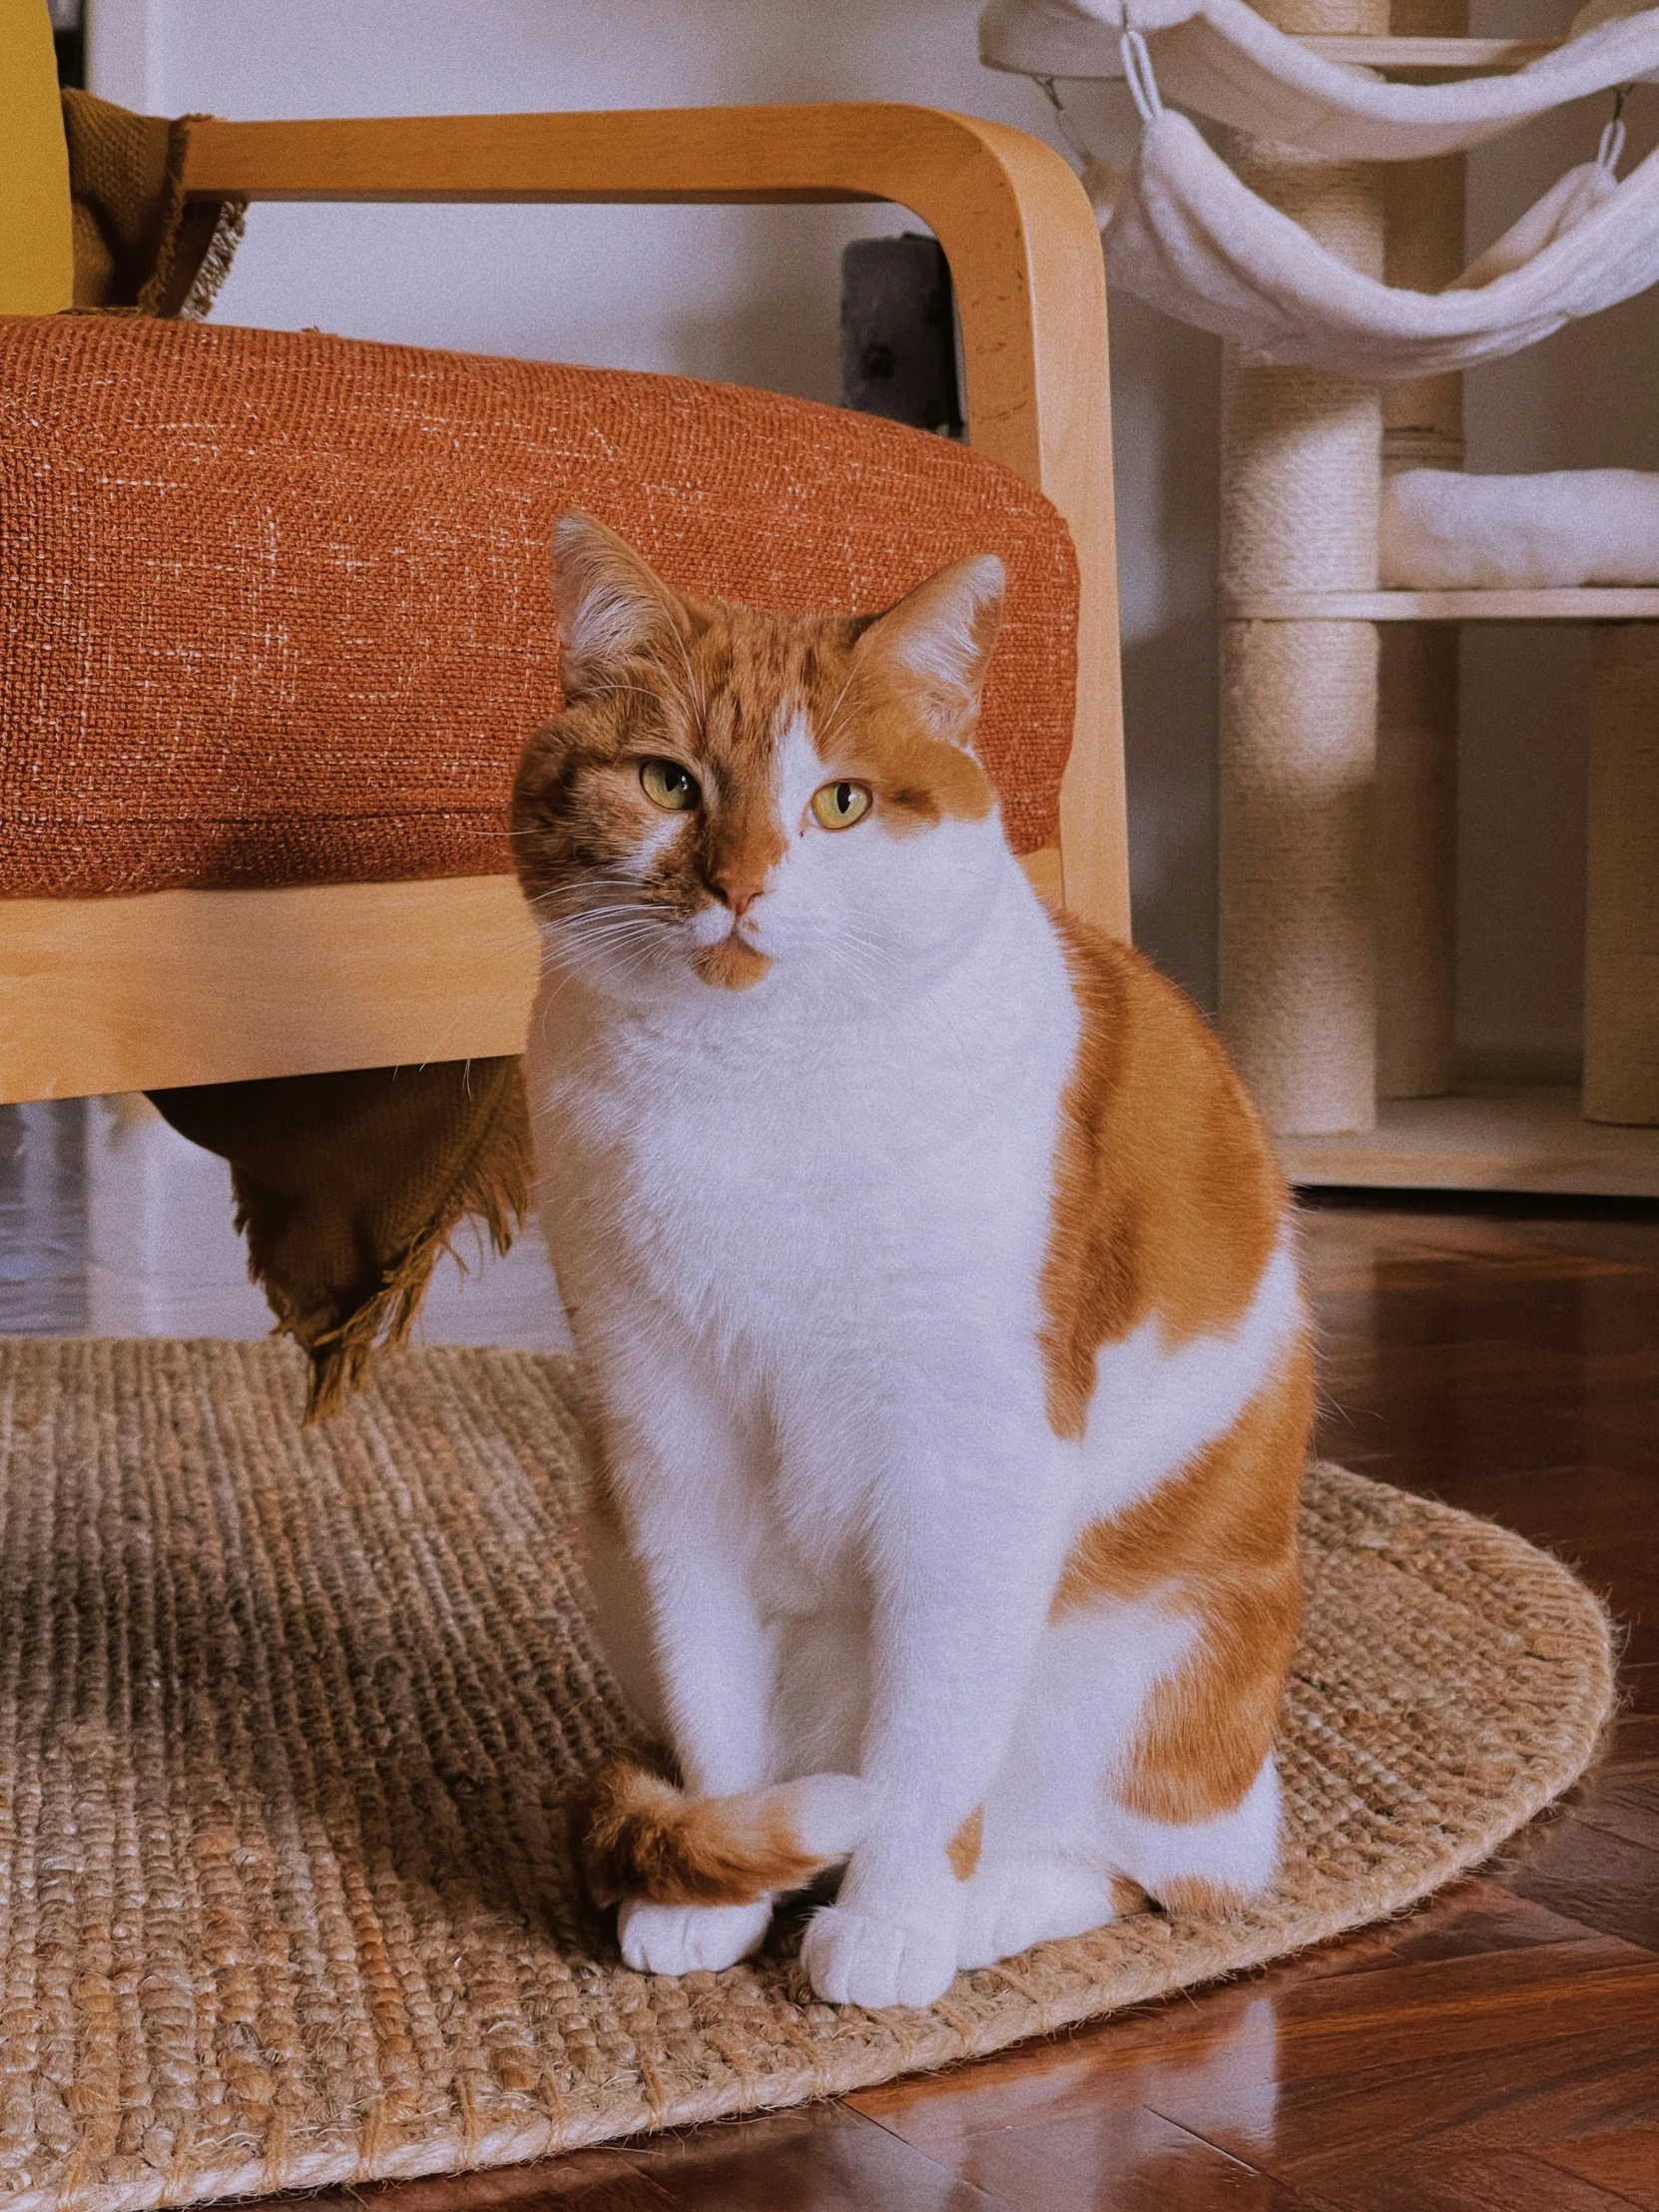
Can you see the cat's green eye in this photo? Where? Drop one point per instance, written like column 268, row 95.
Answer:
column 667, row 785
column 840, row 806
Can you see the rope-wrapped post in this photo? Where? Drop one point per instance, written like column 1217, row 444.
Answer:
column 1416, row 731
column 1621, row 933
column 1301, row 468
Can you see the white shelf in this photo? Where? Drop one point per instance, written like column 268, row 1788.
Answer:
column 1491, row 1139
column 1590, row 603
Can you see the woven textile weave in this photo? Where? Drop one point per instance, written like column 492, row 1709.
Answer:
column 288, row 1723
column 277, row 607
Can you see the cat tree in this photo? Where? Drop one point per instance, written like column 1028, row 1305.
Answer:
column 1339, row 696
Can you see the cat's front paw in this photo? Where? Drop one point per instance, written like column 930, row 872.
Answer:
column 688, row 1939
column 854, row 1959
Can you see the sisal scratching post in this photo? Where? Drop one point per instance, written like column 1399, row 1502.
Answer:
column 1299, row 716
column 1416, row 729
column 1621, row 949
column 1300, row 460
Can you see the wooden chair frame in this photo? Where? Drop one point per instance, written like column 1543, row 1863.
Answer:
column 118, row 994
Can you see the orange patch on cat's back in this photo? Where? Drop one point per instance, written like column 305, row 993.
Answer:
column 1217, row 1542
column 1228, row 1516
column 1168, row 1201
column 1207, row 1730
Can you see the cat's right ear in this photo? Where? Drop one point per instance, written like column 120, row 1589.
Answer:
column 611, row 605
column 938, row 642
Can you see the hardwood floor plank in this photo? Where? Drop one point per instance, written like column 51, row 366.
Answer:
column 1264, row 2071
column 1508, row 2181
column 1318, row 2134
column 819, row 2158
column 1473, row 1919
column 1477, row 1251
column 1582, row 2056
column 1335, row 1229
column 1603, row 1880
column 1414, row 2015
column 580, row 2181
column 1041, row 2081
column 1628, row 1569
column 1119, row 2065
column 1430, row 1348
column 1627, row 2162
column 1439, row 1439
column 1116, row 2160
column 1623, row 1799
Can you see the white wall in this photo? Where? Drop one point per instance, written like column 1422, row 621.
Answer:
column 751, row 294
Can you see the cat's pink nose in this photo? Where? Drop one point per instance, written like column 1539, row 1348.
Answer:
column 737, row 888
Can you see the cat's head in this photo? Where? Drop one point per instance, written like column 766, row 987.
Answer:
column 730, row 796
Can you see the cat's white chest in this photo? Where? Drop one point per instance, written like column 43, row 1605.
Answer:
column 815, row 1190
column 766, row 1191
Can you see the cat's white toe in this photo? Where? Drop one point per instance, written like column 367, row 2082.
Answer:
column 688, row 1939
column 855, row 1958
column 1013, row 1905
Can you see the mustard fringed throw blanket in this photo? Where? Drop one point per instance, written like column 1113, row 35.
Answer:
column 348, row 1187
column 140, row 246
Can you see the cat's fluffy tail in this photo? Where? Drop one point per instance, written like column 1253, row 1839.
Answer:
column 642, row 1838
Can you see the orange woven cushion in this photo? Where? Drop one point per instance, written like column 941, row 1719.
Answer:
column 276, row 606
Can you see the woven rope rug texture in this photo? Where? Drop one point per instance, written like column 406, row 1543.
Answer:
column 287, row 1720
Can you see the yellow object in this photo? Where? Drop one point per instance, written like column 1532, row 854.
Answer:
column 666, row 785
column 36, row 263
column 840, row 806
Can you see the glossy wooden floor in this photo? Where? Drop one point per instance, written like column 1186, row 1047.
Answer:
column 1495, row 2051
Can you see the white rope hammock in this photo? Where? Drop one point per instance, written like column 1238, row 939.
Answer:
column 1185, row 235
column 1222, row 60
column 1182, row 233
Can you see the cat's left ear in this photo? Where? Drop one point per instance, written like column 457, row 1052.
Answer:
column 938, row 642
column 611, row 605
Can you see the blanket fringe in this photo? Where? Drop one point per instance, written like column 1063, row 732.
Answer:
column 493, row 1188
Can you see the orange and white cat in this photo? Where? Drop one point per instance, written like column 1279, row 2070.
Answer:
column 936, row 1297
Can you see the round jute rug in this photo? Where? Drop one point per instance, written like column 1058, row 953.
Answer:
column 288, row 1719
